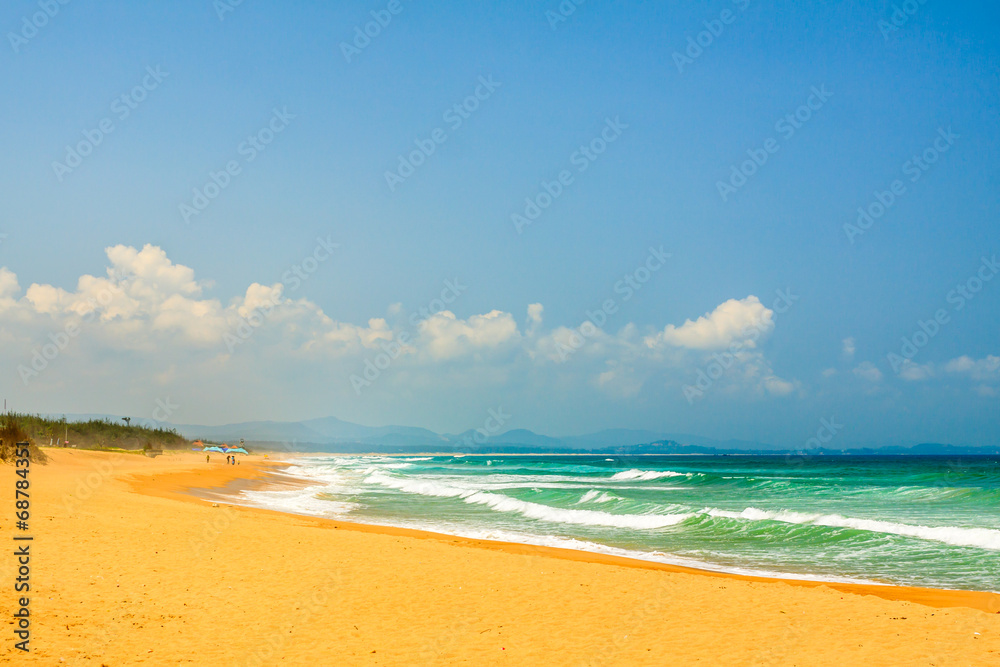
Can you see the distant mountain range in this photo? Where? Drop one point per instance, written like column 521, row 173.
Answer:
column 331, row 434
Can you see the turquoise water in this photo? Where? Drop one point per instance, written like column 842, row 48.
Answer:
column 925, row 521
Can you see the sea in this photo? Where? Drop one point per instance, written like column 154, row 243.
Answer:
column 904, row 520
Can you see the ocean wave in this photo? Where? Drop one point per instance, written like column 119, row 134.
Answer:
column 647, row 475
column 388, row 466
column 314, row 501
column 502, row 503
column 925, row 493
column 983, row 538
column 597, row 496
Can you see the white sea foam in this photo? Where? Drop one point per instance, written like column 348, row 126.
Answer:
column 647, row 475
column 502, row 503
column 500, row 482
column 298, row 501
column 597, row 496
column 304, row 501
column 388, row 466
column 983, row 538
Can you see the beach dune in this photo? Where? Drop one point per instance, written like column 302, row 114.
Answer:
column 129, row 566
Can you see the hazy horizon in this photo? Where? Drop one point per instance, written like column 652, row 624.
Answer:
column 735, row 220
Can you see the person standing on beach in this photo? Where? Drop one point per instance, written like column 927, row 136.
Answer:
column 207, row 456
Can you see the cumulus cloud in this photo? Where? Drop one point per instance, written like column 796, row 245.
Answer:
column 914, row 372
column 985, row 369
column 155, row 274
column 735, row 321
column 147, row 317
column 777, row 386
column 866, row 370
column 848, row 348
column 535, row 311
column 445, row 336
column 8, row 284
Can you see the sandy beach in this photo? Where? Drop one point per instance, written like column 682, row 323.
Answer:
column 131, row 566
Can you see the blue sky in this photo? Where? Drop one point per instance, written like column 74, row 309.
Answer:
column 163, row 332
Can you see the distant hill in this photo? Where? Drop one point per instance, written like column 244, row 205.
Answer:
column 926, row 449
column 613, row 437
column 522, row 436
column 327, row 434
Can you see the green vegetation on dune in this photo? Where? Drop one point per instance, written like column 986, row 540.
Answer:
column 12, row 433
column 94, row 434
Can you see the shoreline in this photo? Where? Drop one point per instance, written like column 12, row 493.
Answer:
column 130, row 565
column 267, row 478
column 762, row 454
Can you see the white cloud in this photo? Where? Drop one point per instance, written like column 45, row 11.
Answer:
column 535, row 311
column 983, row 370
column 735, row 321
column 150, row 320
column 867, row 371
column 777, row 386
column 848, row 348
column 915, row 372
column 155, row 274
column 8, row 284
column 444, row 336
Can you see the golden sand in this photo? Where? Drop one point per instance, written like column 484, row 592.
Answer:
column 129, row 569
